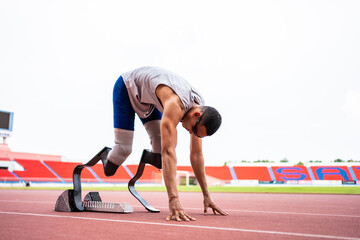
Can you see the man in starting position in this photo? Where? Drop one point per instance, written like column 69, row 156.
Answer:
column 162, row 100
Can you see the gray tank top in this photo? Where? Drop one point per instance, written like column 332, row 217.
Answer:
column 141, row 84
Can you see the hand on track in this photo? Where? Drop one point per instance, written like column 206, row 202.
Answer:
column 177, row 211
column 209, row 203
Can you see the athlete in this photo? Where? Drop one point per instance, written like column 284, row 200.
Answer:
column 162, row 100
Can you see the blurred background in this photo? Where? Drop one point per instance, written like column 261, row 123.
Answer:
column 284, row 74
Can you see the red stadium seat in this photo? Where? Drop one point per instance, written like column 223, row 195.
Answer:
column 65, row 171
column 290, row 173
column 331, row 173
column 121, row 175
column 6, row 176
column 252, row 173
column 35, row 171
column 356, row 170
column 150, row 173
column 222, row 173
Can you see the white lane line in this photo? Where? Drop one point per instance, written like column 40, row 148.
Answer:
column 272, row 212
column 23, row 201
column 299, row 213
column 294, row 213
column 228, row 210
column 185, row 226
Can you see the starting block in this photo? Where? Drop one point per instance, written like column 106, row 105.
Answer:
column 92, row 202
column 70, row 200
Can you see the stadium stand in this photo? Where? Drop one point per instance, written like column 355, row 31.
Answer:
column 185, row 168
column 290, row 173
column 222, row 173
column 252, row 173
column 150, row 173
column 65, row 171
column 356, row 170
column 30, row 167
column 52, row 171
column 35, row 171
column 332, row 173
column 6, row 176
column 121, row 175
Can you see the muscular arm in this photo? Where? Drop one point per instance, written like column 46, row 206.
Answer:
column 172, row 115
column 197, row 163
column 168, row 145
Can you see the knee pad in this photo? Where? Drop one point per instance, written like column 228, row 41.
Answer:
column 153, row 130
column 123, row 146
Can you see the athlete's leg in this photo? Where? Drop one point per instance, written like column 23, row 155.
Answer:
column 152, row 126
column 124, row 116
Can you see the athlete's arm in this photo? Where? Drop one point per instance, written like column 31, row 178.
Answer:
column 197, row 163
column 172, row 114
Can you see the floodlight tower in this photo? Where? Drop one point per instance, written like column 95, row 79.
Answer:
column 6, row 124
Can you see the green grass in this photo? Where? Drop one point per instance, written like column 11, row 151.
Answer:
column 255, row 189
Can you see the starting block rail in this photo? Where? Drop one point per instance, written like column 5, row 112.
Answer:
column 96, row 206
column 70, row 200
column 92, row 202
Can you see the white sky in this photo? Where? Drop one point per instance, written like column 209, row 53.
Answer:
column 284, row 74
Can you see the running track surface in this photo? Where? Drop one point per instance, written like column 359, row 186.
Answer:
column 29, row 214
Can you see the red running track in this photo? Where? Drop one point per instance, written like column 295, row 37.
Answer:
column 29, row 214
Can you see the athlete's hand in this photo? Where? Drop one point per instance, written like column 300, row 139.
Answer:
column 209, row 203
column 177, row 211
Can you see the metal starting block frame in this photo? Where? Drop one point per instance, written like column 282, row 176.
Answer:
column 70, row 200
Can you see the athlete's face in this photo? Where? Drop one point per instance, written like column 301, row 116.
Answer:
column 192, row 125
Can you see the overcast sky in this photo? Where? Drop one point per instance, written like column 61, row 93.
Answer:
column 285, row 75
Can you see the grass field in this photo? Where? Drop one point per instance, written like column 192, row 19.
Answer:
column 253, row 189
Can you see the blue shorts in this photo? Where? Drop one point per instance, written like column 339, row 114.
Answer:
column 124, row 114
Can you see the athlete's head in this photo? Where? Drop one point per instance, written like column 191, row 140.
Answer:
column 202, row 121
